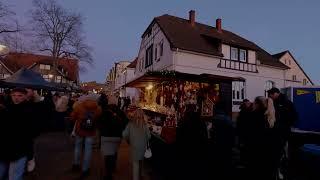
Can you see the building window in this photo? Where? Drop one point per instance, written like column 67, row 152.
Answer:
column 4, row 76
column 238, row 91
column 58, row 79
column 285, row 61
column 140, row 64
column 44, row 67
column 46, row 77
column 149, row 56
column 234, row 53
column 268, row 86
column 243, row 55
column 156, row 54
column 161, row 48
column 305, row 82
column 294, row 77
column 289, row 62
column 238, row 54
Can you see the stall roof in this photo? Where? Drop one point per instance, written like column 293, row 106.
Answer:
column 151, row 77
column 28, row 79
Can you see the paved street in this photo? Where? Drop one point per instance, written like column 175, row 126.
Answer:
column 54, row 153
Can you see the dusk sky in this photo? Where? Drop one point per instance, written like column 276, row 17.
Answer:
column 114, row 27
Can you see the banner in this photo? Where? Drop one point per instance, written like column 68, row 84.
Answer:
column 302, row 92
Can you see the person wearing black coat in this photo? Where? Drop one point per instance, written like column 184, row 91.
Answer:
column 17, row 131
column 223, row 137
column 260, row 145
column 111, row 125
column 192, row 141
column 242, row 127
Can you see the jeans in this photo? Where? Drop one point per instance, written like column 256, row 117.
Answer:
column 87, row 152
column 13, row 170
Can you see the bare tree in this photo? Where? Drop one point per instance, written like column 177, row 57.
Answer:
column 17, row 42
column 7, row 22
column 59, row 31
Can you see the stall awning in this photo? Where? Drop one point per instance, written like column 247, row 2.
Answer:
column 152, row 77
column 27, row 79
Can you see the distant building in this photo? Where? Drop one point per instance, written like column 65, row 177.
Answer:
column 115, row 79
column 127, row 76
column 92, row 87
column 67, row 71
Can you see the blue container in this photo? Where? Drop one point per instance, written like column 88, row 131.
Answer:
column 307, row 103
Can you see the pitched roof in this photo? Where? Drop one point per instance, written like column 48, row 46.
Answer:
column 206, row 39
column 16, row 61
column 279, row 55
column 133, row 64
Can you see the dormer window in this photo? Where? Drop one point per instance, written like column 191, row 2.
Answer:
column 234, row 53
column 237, row 54
column 243, row 55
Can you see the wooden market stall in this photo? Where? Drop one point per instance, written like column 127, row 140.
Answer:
column 164, row 96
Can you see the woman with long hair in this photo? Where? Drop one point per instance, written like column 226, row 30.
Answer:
column 260, row 142
column 137, row 135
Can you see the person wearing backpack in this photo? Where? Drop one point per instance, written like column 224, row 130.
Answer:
column 84, row 115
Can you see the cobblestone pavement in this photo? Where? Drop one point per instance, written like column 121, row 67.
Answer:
column 54, row 154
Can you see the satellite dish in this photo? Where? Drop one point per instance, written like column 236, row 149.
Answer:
column 4, row 50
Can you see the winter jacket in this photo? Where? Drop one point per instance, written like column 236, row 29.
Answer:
column 111, row 124
column 78, row 116
column 286, row 116
column 243, row 123
column 223, row 134
column 17, row 130
column 138, row 138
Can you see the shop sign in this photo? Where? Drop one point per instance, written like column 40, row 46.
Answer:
column 302, row 92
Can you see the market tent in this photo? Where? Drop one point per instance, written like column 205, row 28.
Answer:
column 28, row 79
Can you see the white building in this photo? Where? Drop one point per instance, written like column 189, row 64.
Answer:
column 186, row 46
column 115, row 79
column 128, row 75
column 295, row 75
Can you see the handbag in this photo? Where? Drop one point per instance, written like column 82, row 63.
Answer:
column 148, row 152
column 73, row 133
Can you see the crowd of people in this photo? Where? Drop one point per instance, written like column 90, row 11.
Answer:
column 261, row 133
column 113, row 125
column 25, row 115
column 262, row 128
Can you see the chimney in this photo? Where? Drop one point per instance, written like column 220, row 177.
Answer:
column 218, row 25
column 192, row 17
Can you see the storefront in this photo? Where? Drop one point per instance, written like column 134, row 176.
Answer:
column 164, row 95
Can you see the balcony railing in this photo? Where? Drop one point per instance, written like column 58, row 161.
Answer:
column 238, row 65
